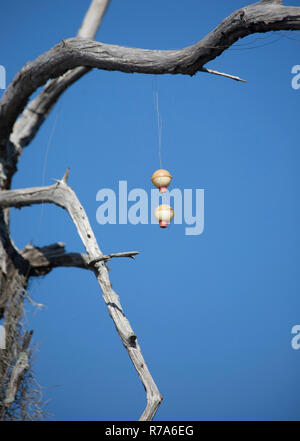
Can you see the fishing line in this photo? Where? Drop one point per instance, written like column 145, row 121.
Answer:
column 159, row 119
column 291, row 38
column 155, row 87
column 243, row 46
column 256, row 47
column 43, row 179
column 45, row 167
column 48, row 146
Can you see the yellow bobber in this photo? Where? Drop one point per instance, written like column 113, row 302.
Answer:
column 161, row 179
column 163, row 214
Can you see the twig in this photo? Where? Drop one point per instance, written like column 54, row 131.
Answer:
column 221, row 74
column 107, row 257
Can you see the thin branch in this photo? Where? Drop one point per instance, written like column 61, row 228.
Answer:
column 259, row 17
column 221, row 74
column 65, row 176
column 62, row 195
column 93, row 19
column 41, row 260
column 107, row 257
column 33, row 116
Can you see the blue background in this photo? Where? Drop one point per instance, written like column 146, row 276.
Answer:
column 213, row 313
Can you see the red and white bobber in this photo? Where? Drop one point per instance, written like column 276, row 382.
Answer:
column 161, row 179
column 163, row 214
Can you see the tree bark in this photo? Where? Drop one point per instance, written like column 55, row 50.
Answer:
column 263, row 16
column 15, row 269
column 63, row 196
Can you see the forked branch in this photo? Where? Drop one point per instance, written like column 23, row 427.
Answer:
column 62, row 195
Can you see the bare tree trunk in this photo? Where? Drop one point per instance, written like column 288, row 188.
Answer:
column 15, row 268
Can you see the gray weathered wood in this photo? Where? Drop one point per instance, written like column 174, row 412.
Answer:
column 93, row 18
column 107, row 257
column 41, row 260
column 38, row 109
column 37, row 261
column 18, row 370
column 63, row 196
column 71, row 53
column 80, row 56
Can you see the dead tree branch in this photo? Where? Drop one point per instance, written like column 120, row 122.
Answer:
column 59, row 68
column 38, row 109
column 107, row 257
column 41, row 260
column 63, row 196
column 263, row 16
column 18, row 370
column 93, row 19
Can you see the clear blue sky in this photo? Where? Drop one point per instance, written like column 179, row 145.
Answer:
column 213, row 313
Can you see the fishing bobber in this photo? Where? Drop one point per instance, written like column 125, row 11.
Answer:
column 161, row 179
column 163, row 214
